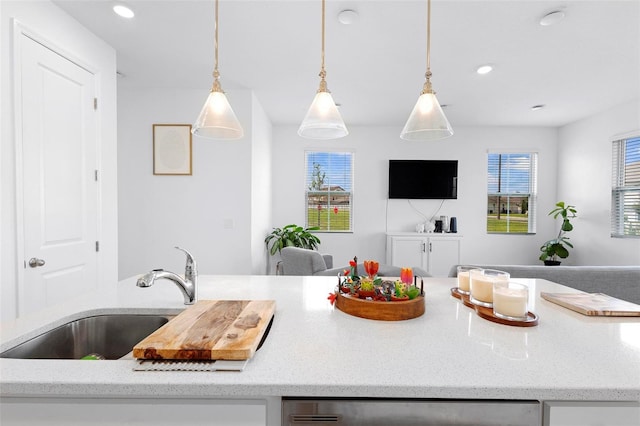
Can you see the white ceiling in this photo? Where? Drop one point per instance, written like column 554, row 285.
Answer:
column 585, row 64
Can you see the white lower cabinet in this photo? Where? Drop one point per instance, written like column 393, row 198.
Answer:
column 139, row 411
column 591, row 413
column 435, row 253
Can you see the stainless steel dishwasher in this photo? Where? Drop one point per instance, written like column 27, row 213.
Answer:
column 408, row 412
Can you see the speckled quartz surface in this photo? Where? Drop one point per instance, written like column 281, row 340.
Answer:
column 316, row 350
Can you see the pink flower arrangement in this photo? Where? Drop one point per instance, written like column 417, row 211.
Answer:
column 406, row 275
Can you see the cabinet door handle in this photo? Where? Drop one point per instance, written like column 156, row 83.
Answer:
column 430, row 248
column 424, row 247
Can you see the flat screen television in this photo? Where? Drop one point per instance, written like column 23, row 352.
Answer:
column 423, row 179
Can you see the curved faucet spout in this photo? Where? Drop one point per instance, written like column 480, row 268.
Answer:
column 188, row 284
column 187, row 287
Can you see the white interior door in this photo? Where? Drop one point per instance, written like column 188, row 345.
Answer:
column 59, row 188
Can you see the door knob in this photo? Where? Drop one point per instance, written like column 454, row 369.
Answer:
column 34, row 263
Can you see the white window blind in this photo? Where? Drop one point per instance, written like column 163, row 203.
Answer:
column 329, row 190
column 625, row 188
column 511, row 192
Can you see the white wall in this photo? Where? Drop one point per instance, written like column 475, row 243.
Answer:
column 65, row 34
column 208, row 213
column 374, row 214
column 261, row 194
column 584, row 162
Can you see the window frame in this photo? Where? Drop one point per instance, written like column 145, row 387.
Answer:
column 619, row 187
column 329, row 207
column 531, row 194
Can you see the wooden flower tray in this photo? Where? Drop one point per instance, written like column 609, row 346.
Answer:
column 378, row 310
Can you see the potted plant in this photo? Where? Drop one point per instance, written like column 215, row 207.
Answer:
column 367, row 288
column 558, row 248
column 291, row 235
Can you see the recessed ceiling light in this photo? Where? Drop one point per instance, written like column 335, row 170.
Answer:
column 484, row 69
column 537, row 107
column 123, row 11
column 348, row 16
column 552, row 18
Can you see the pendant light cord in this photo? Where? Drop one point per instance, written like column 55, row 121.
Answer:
column 322, row 59
column 216, row 74
column 323, row 73
column 428, row 36
column 427, row 88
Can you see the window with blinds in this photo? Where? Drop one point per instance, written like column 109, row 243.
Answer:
column 511, row 193
column 625, row 188
column 329, row 190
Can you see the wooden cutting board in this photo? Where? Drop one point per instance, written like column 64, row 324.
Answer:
column 594, row 304
column 210, row 329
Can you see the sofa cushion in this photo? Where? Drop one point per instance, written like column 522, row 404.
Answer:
column 622, row 282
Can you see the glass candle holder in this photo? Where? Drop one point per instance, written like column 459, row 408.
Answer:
column 463, row 277
column 510, row 300
column 481, row 285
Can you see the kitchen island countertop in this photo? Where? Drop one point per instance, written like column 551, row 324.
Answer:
column 316, row 350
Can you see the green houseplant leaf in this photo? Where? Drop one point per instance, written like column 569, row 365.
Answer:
column 291, row 236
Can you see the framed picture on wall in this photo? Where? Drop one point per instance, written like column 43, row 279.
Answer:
column 172, row 149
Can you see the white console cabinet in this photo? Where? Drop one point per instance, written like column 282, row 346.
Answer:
column 436, row 253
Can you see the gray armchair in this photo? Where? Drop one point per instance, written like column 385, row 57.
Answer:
column 299, row 261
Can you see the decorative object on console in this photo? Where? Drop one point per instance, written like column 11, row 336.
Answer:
column 555, row 249
column 445, row 223
column 453, row 225
column 217, row 119
column 429, row 227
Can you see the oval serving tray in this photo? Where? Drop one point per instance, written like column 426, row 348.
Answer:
column 487, row 313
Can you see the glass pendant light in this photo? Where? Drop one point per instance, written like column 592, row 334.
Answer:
column 427, row 120
column 323, row 121
column 217, row 119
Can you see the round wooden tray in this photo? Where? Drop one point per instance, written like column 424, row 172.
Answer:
column 487, row 313
column 376, row 310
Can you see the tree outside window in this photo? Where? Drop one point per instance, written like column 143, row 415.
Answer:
column 511, row 193
column 329, row 193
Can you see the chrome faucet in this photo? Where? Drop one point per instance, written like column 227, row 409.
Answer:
column 186, row 285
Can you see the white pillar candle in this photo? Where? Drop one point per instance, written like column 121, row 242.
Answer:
column 463, row 277
column 482, row 288
column 481, row 283
column 510, row 300
column 463, row 281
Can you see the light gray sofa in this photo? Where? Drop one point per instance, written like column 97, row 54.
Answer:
column 622, row 282
column 299, row 261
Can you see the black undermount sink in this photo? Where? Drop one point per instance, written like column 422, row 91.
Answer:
column 109, row 336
